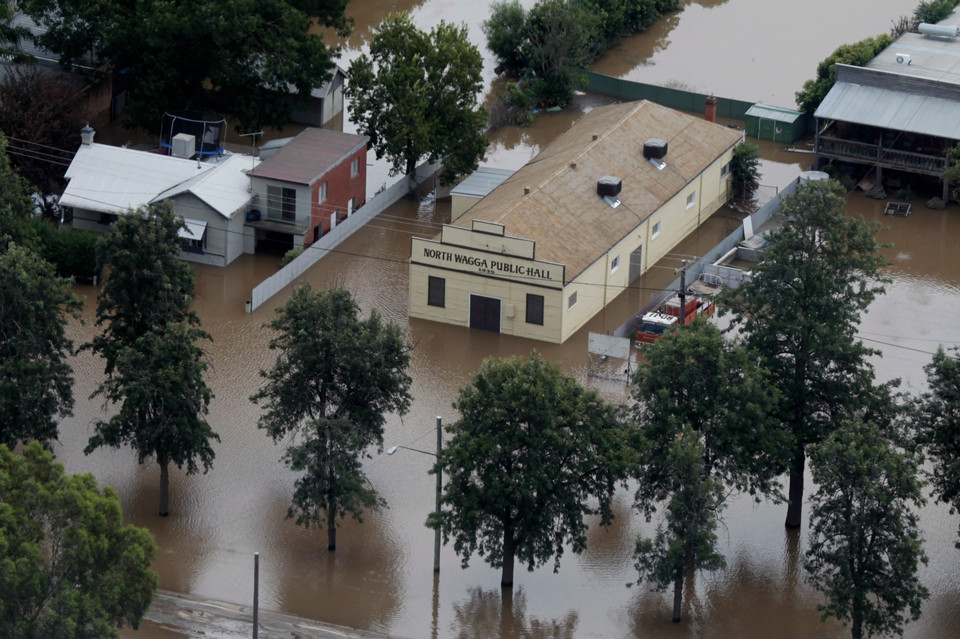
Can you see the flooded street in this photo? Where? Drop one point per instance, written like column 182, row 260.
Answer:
column 380, row 577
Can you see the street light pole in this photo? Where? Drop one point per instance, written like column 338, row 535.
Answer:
column 256, row 594
column 436, row 533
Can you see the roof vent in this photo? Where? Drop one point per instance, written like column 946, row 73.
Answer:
column 86, row 134
column 184, row 145
column 655, row 149
column 943, row 30
column 609, row 186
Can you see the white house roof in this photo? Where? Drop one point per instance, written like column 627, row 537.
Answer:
column 225, row 188
column 112, row 179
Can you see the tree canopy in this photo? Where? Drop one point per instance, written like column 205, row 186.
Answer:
column 938, row 426
column 154, row 368
column 69, row 567
column 865, row 544
column 416, row 97
column 702, row 408
column 242, row 57
column 36, row 381
column 800, row 313
column 335, row 379
column 532, row 454
column 857, row 54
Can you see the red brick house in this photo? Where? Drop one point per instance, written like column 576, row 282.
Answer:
column 302, row 190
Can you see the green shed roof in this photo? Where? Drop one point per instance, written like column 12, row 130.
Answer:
column 773, row 113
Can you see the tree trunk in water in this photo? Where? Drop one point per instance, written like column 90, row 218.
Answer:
column 856, row 625
column 331, row 532
column 506, row 580
column 677, row 595
column 795, row 504
column 164, row 487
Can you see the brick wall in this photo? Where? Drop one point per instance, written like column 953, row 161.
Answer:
column 341, row 186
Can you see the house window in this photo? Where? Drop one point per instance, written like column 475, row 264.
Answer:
column 281, row 203
column 436, row 291
column 615, row 264
column 108, row 218
column 691, row 199
column 572, row 300
column 656, row 230
column 322, row 192
column 534, row 309
column 354, row 167
column 194, row 246
column 725, row 170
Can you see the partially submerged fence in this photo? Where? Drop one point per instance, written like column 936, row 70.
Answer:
column 674, row 98
column 312, row 254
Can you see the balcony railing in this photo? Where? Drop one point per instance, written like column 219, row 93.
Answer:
column 895, row 158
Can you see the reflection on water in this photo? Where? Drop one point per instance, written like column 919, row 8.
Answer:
column 503, row 613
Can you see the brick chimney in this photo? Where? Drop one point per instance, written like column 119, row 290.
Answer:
column 710, row 112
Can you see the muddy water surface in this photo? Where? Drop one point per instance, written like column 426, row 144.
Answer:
column 380, row 577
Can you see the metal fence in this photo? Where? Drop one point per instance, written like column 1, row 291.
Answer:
column 760, row 217
column 674, row 98
column 312, row 254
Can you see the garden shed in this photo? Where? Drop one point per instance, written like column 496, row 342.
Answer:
column 775, row 123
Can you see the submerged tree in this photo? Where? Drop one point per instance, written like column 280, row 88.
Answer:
column 154, row 368
column 865, row 543
column 532, row 454
column 938, row 426
column 69, row 567
column 36, row 382
column 702, row 410
column 800, row 313
column 335, row 379
column 745, row 169
column 416, row 97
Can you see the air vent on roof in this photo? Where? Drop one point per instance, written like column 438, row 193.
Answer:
column 609, row 186
column 655, row 149
column 903, row 58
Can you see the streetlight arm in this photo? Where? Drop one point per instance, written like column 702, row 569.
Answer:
column 393, row 449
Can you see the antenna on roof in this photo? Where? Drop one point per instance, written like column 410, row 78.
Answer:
column 253, row 144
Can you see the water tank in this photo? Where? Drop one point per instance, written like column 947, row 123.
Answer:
column 945, row 30
column 655, row 149
column 609, row 186
column 813, row 176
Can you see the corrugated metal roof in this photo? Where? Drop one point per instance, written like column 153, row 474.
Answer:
column 112, row 179
column 889, row 109
column 194, row 229
column 310, row 155
column 773, row 113
column 562, row 212
column 225, row 189
column 481, row 182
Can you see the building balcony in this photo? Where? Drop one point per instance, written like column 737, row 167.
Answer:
column 876, row 154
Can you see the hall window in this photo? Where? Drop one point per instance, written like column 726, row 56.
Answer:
column 322, row 192
column 436, row 291
column 534, row 309
column 656, row 230
column 615, row 264
column 354, row 167
column 572, row 300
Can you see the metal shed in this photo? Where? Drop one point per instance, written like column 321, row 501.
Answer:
column 774, row 123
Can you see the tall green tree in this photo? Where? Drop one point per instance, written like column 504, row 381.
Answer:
column 687, row 539
column 938, row 427
column 69, row 567
column 702, row 407
column 17, row 221
column 36, row 381
column 800, row 313
column 532, row 454
column 865, row 543
column 416, row 96
column 506, row 32
column 745, row 169
column 154, row 367
column 163, row 400
column 336, row 378
column 243, row 57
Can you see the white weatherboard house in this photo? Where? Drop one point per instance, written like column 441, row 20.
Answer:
column 558, row 240
column 105, row 182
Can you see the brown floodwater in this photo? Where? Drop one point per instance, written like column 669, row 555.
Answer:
column 380, row 577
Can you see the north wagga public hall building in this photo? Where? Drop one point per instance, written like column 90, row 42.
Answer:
column 558, row 240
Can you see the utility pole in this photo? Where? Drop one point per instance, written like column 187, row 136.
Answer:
column 436, row 533
column 683, row 292
column 256, row 594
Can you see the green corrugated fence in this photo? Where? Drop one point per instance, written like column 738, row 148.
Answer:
column 673, row 98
